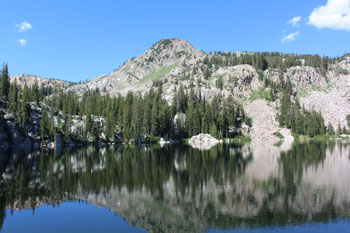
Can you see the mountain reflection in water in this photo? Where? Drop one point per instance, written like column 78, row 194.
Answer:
column 180, row 189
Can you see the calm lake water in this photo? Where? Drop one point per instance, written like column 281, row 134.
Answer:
column 254, row 188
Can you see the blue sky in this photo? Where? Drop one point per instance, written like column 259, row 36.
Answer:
column 79, row 40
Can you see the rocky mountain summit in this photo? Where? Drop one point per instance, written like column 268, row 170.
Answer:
column 175, row 62
column 166, row 59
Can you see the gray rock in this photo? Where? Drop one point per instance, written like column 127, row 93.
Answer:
column 203, row 141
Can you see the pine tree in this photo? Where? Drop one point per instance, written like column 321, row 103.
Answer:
column 109, row 130
column 330, row 129
column 339, row 129
column 67, row 127
column 138, row 109
column 154, row 118
column 94, row 132
column 164, row 120
column 43, row 124
column 205, row 119
column 219, row 83
column 35, row 93
column 25, row 108
column 4, row 82
column 52, row 130
column 190, row 118
column 127, row 116
column 213, row 130
column 147, row 116
column 88, row 124
column 13, row 100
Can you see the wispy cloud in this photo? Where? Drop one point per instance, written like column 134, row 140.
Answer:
column 22, row 42
column 334, row 15
column 290, row 37
column 24, row 26
column 294, row 21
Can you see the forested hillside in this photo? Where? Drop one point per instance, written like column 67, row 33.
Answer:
column 175, row 91
column 50, row 112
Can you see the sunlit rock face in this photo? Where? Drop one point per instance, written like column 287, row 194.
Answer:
column 180, row 189
column 241, row 78
column 305, row 77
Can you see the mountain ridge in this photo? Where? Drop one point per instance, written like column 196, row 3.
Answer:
column 242, row 76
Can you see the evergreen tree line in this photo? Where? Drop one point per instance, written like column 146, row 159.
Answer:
column 126, row 117
column 264, row 60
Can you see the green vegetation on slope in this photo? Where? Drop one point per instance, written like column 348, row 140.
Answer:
column 156, row 75
column 261, row 94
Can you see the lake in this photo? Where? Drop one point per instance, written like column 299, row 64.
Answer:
column 230, row 188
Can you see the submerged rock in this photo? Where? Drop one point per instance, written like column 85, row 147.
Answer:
column 203, row 141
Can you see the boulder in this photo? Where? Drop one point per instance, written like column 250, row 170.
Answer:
column 203, row 141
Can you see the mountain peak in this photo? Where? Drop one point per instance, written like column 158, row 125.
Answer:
column 165, row 59
column 173, row 48
column 170, row 42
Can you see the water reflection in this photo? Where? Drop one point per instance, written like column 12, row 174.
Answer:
column 180, row 189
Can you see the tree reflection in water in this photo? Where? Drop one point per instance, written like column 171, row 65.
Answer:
column 177, row 188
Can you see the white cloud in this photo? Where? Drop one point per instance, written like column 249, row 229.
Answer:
column 24, row 26
column 290, row 37
column 294, row 21
column 22, row 42
column 334, row 15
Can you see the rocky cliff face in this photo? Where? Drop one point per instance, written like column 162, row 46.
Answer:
column 240, row 78
column 305, row 77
